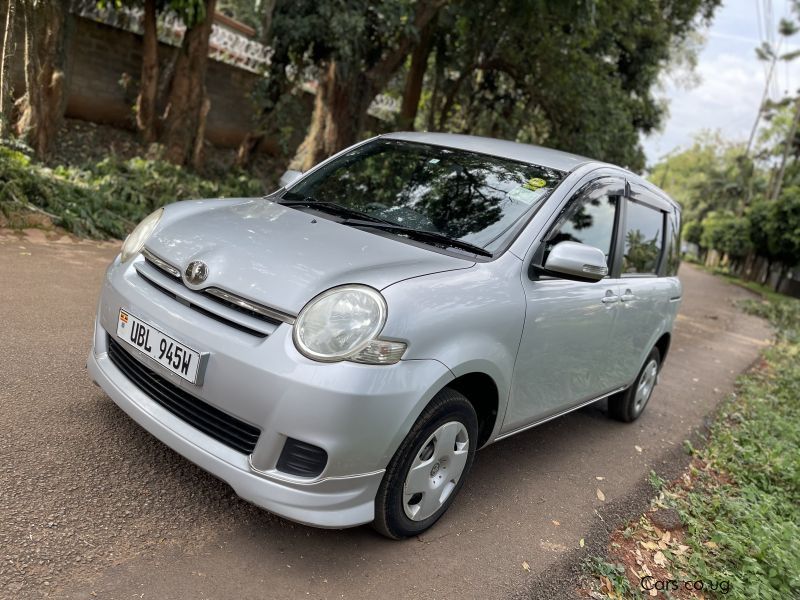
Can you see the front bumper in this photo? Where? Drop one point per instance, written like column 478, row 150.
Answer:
column 358, row 413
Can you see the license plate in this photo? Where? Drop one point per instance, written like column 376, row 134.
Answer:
column 166, row 351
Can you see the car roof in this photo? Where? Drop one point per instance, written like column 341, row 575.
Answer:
column 538, row 155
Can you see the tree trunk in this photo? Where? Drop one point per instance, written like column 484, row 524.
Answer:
column 7, row 52
column 267, row 11
column 340, row 105
column 148, row 86
column 416, row 73
column 277, row 71
column 344, row 95
column 451, row 96
column 199, row 145
column 42, row 106
column 182, row 116
column 437, row 78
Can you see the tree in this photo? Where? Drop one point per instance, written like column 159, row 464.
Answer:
column 775, row 231
column 414, row 77
column 711, row 175
column 7, row 14
column 192, row 13
column 552, row 72
column 42, row 106
column 187, row 104
column 355, row 47
column 146, row 109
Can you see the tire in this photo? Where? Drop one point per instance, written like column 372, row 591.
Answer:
column 402, row 512
column 627, row 406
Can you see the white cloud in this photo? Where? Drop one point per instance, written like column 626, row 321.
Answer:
column 727, row 99
column 731, row 83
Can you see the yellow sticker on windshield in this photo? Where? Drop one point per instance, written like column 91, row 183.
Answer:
column 534, row 183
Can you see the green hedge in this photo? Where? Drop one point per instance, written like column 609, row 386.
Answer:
column 108, row 198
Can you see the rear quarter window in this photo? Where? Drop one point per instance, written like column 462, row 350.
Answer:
column 674, row 249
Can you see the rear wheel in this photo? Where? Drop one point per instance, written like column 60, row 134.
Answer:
column 429, row 468
column 627, row 406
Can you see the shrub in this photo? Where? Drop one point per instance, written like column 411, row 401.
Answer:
column 108, row 198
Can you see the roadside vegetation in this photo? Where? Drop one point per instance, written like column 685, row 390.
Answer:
column 104, row 199
column 737, row 507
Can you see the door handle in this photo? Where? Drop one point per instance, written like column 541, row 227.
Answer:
column 628, row 296
column 610, row 298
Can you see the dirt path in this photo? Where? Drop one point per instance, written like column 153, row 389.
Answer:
column 90, row 503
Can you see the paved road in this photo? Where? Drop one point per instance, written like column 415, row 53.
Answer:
column 93, row 507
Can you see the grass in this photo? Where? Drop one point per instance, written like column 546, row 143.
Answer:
column 740, row 499
column 107, row 198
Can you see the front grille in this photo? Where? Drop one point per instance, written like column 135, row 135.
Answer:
column 231, row 301
column 213, row 422
column 203, row 311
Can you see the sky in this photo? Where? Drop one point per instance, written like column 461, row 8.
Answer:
column 731, row 78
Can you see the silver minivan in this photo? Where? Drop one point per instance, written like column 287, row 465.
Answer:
column 338, row 350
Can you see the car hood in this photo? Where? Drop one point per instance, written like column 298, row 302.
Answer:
column 283, row 257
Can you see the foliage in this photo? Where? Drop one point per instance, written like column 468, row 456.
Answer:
column 574, row 77
column 108, row 198
column 726, row 233
column 190, row 12
column 709, row 176
column 753, row 522
column 740, row 499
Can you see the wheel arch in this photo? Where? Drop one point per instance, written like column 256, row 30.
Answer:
column 663, row 344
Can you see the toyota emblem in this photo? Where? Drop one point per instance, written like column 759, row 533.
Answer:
column 196, row 272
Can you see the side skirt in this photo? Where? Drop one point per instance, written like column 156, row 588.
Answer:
column 555, row 416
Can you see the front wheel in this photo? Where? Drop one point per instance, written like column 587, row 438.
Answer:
column 429, row 468
column 627, row 406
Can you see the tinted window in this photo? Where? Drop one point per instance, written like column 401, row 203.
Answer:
column 464, row 195
column 592, row 223
column 674, row 255
column 644, row 238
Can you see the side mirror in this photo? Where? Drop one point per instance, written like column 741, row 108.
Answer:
column 289, row 178
column 577, row 261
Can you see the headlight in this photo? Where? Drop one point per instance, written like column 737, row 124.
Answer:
column 343, row 324
column 135, row 241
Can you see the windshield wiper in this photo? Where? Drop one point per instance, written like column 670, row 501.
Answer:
column 419, row 234
column 334, row 209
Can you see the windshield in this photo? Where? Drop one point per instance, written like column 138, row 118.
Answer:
column 463, row 195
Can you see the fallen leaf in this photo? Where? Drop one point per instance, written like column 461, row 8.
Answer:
column 660, row 559
column 581, row 543
column 649, row 545
column 638, row 448
column 653, row 592
column 605, row 585
column 25, row 254
column 526, row 566
column 600, row 478
column 600, row 495
column 666, row 537
column 556, row 523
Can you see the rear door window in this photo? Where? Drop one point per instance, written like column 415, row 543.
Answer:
column 643, row 239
